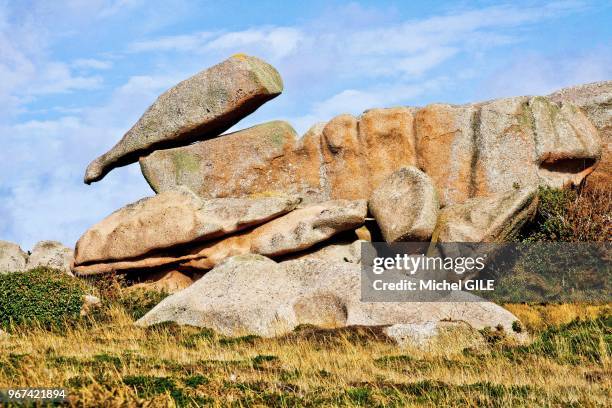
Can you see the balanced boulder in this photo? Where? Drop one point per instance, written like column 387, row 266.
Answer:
column 405, row 206
column 51, row 254
column 251, row 294
column 12, row 257
column 172, row 218
column 198, row 108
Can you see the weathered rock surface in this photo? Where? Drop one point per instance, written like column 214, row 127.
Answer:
column 480, row 149
column 168, row 281
column 405, row 206
column 251, row 294
column 197, row 108
column 12, row 257
column 293, row 232
column 343, row 159
column 445, row 148
column 51, row 254
column 265, row 159
column 172, row 218
column 296, row 231
column 596, row 101
column 388, row 140
column 496, row 218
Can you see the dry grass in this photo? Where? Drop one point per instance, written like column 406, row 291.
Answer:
column 118, row 364
column 537, row 318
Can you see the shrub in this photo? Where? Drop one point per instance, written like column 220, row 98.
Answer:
column 137, row 302
column 46, row 296
column 114, row 293
column 571, row 216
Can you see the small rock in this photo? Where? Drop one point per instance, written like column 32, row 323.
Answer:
column 168, row 282
column 451, row 337
column 405, row 206
column 90, row 302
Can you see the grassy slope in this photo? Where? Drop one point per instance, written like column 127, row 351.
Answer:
column 124, row 365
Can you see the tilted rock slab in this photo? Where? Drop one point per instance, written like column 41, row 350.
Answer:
column 293, row 232
column 198, row 108
column 595, row 100
column 405, row 206
column 251, row 294
column 12, row 257
column 496, row 218
column 472, row 150
column 173, row 218
column 52, row 254
column 296, row 231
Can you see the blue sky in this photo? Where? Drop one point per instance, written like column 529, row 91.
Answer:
column 76, row 74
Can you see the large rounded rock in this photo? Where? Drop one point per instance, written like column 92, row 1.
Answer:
column 198, row 108
column 251, row 294
column 12, row 257
column 51, row 254
column 172, row 218
column 405, row 206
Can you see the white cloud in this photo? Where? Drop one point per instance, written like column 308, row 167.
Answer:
column 183, row 43
column 278, row 42
column 537, row 74
column 91, row 63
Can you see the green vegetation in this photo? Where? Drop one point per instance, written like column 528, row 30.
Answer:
column 41, row 296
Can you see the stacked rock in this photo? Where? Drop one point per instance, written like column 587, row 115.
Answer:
column 262, row 190
column 231, row 202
